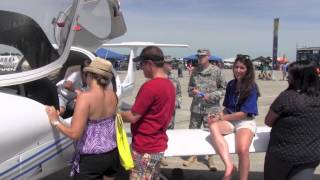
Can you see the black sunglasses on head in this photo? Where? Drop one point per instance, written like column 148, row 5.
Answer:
column 243, row 56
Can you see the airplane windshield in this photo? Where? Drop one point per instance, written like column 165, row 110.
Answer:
column 30, row 42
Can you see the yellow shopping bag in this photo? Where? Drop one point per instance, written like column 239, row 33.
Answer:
column 123, row 145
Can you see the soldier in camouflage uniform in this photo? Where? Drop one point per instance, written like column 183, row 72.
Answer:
column 167, row 67
column 180, row 69
column 206, row 86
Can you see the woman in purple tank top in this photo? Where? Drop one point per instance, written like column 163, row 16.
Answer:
column 92, row 126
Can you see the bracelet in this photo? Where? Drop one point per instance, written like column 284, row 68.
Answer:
column 55, row 123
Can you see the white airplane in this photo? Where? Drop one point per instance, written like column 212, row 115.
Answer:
column 30, row 147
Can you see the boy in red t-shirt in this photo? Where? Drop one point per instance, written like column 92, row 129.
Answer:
column 150, row 115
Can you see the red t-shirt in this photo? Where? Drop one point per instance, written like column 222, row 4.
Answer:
column 155, row 102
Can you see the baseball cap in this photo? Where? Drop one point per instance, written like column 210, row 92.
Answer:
column 152, row 53
column 203, row 52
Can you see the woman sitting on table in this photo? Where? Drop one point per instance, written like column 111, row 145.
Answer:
column 238, row 116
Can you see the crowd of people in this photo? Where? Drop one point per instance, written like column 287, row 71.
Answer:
column 294, row 147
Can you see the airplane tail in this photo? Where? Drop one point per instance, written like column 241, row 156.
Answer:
column 128, row 84
column 130, row 77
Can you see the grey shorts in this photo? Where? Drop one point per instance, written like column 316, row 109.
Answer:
column 249, row 123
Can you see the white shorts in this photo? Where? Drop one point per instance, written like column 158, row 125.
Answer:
column 249, row 123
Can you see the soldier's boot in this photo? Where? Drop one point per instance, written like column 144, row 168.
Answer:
column 211, row 164
column 164, row 161
column 190, row 161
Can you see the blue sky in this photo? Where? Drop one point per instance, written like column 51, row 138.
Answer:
column 225, row 27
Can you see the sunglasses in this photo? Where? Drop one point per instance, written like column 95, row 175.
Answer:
column 144, row 62
column 243, row 56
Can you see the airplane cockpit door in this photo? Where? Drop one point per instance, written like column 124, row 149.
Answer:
column 27, row 33
column 99, row 21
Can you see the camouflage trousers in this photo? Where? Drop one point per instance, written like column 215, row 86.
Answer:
column 196, row 120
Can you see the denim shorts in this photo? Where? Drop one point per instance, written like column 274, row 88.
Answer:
column 248, row 123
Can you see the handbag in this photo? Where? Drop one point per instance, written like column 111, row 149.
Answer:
column 123, row 145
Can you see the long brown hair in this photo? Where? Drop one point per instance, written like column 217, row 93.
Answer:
column 248, row 81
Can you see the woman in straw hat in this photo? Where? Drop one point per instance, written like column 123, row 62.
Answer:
column 92, row 125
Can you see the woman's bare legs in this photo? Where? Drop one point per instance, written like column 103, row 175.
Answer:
column 244, row 138
column 217, row 130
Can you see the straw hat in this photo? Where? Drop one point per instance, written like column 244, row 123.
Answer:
column 101, row 67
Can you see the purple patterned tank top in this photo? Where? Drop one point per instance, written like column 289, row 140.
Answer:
column 98, row 137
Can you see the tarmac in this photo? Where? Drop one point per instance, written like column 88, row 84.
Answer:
column 269, row 89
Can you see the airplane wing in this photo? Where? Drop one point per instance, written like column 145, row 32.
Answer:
column 179, row 145
column 142, row 44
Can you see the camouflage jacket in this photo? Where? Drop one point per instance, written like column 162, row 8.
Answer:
column 180, row 66
column 177, row 86
column 209, row 81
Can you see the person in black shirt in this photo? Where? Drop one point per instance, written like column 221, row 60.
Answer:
column 294, row 148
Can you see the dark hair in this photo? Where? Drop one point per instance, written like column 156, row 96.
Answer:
column 153, row 53
column 248, row 81
column 84, row 64
column 304, row 77
column 103, row 81
column 158, row 64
